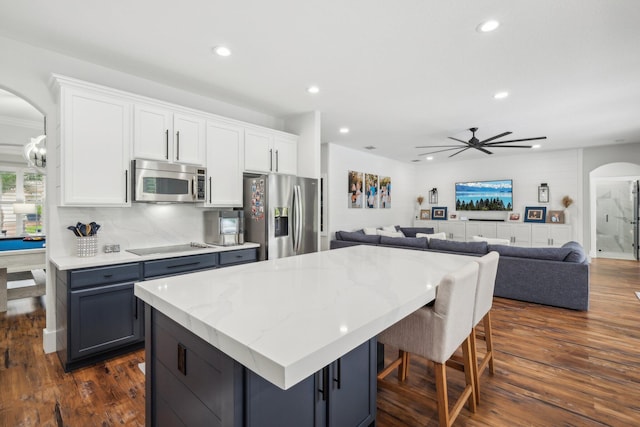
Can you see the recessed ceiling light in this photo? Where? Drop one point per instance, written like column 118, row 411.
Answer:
column 488, row 26
column 430, row 158
column 313, row 89
column 536, row 146
column 501, row 95
column 344, row 130
column 222, row 51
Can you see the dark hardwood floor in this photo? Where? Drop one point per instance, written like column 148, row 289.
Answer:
column 554, row 367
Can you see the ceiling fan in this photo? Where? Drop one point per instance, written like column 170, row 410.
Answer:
column 479, row 145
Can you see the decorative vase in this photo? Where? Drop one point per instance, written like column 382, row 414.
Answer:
column 567, row 216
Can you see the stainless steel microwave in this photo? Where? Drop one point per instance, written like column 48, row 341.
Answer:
column 161, row 182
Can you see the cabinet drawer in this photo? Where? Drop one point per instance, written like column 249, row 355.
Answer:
column 235, row 257
column 169, row 267
column 104, row 275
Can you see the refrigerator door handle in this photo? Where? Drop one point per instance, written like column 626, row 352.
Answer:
column 297, row 218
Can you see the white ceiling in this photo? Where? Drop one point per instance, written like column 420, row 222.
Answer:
column 398, row 73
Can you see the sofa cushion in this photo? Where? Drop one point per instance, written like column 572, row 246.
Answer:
column 463, row 247
column 442, row 235
column 577, row 252
column 339, row 233
column 411, row 231
column 550, row 254
column 359, row 236
column 411, row 242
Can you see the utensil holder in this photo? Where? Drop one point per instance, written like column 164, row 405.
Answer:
column 87, row 246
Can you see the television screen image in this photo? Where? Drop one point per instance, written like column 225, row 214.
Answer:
column 484, row 195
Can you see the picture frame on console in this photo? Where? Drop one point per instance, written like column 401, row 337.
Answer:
column 535, row 214
column 514, row 216
column 439, row 213
column 556, row 217
column 425, row 214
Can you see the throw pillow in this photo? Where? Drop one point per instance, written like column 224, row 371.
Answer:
column 371, row 231
column 442, row 235
column 491, row 240
column 390, row 228
column 387, row 233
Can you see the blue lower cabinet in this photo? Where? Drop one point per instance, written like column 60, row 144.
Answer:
column 192, row 383
column 97, row 314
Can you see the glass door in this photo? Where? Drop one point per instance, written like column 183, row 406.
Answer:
column 617, row 219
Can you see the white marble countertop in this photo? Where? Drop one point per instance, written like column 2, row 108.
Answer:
column 286, row 319
column 122, row 257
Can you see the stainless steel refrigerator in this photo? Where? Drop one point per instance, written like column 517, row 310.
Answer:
column 281, row 214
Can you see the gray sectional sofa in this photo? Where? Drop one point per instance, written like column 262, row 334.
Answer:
column 552, row 276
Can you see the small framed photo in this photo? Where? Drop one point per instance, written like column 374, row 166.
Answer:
column 514, row 216
column 535, row 214
column 556, row 217
column 453, row 216
column 543, row 194
column 425, row 214
column 439, row 213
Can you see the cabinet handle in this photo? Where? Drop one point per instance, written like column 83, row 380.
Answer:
column 182, row 359
column 324, row 379
column 166, row 133
column 126, row 186
column 210, row 199
column 189, row 264
column 270, row 160
column 338, row 374
column 178, row 145
column 277, row 161
column 135, row 308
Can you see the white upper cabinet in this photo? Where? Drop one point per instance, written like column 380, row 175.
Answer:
column 95, row 135
column 285, row 152
column 152, row 133
column 162, row 134
column 270, row 152
column 189, row 139
column 225, row 143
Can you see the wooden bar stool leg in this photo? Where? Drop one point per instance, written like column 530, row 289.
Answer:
column 488, row 333
column 441, row 390
column 474, row 364
column 469, row 371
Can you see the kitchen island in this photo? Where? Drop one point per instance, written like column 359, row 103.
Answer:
column 280, row 338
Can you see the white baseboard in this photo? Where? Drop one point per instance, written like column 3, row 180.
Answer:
column 49, row 341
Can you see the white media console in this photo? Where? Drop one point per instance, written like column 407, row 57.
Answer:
column 518, row 233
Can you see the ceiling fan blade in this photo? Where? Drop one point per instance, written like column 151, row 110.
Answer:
column 512, row 146
column 517, row 140
column 455, row 154
column 483, row 150
column 436, row 146
column 496, row 137
column 440, row 151
column 459, row 140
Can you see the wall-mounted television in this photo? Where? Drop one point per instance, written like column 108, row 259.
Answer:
column 484, row 195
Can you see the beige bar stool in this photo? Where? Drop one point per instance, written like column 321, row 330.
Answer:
column 435, row 332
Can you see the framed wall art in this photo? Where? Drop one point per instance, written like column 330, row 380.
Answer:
column 371, row 190
column 385, row 192
column 439, row 213
column 535, row 214
column 355, row 189
column 425, row 214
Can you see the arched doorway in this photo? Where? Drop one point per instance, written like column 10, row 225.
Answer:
column 614, row 210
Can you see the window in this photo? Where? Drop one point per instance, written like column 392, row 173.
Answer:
column 22, row 194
